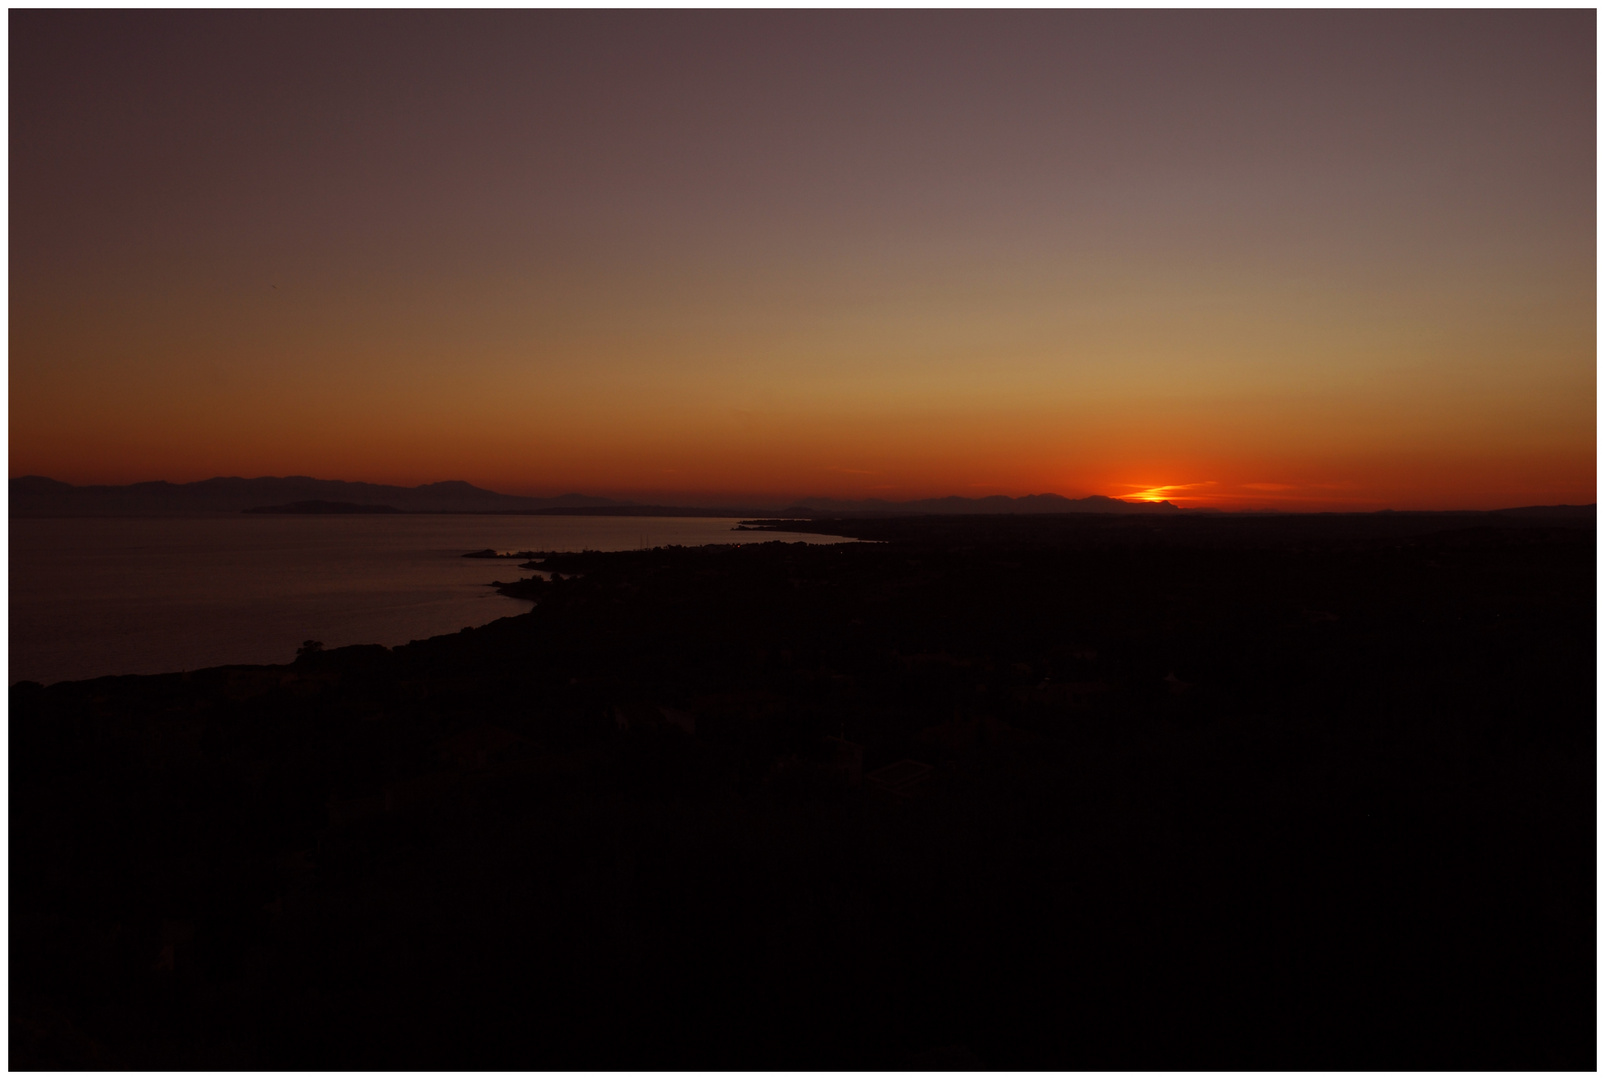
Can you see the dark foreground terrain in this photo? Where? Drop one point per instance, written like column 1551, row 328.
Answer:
column 1110, row 793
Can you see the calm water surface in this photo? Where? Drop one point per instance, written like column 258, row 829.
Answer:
column 137, row 596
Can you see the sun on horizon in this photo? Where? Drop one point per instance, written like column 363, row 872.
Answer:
column 1305, row 259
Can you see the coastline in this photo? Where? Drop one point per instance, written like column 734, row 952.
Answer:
column 966, row 758
column 93, row 597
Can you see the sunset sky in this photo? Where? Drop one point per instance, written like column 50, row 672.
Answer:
column 1308, row 260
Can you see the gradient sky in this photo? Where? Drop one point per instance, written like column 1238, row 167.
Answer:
column 1297, row 259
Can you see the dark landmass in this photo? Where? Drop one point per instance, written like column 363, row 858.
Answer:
column 816, row 506
column 1213, row 530
column 1062, row 792
column 319, row 506
column 638, row 510
column 1561, row 510
column 38, row 496
column 880, row 508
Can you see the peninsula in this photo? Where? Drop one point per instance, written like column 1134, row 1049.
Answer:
column 1000, row 792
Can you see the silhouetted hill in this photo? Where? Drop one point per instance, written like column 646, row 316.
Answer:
column 645, row 510
column 1560, row 510
column 39, row 496
column 321, row 506
column 990, row 504
column 1091, row 791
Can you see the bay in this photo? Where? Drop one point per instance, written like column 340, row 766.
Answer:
column 138, row 596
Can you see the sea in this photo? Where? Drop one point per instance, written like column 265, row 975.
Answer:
column 139, row 596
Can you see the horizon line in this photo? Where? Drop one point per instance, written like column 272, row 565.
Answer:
column 778, row 504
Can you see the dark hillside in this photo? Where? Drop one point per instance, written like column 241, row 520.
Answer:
column 38, row 496
column 1096, row 793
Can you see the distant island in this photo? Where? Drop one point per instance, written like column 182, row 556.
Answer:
column 323, row 506
column 42, row 497
column 1261, row 784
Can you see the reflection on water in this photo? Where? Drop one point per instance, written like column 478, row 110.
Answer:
column 121, row 596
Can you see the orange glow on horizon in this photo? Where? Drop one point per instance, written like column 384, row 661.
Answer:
column 658, row 257
column 1168, row 493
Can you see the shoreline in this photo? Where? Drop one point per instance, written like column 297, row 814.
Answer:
column 966, row 754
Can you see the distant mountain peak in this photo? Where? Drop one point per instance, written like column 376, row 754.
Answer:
column 44, row 497
column 38, row 482
column 1046, row 503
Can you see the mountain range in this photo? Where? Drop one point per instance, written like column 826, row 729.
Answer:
column 39, row 496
